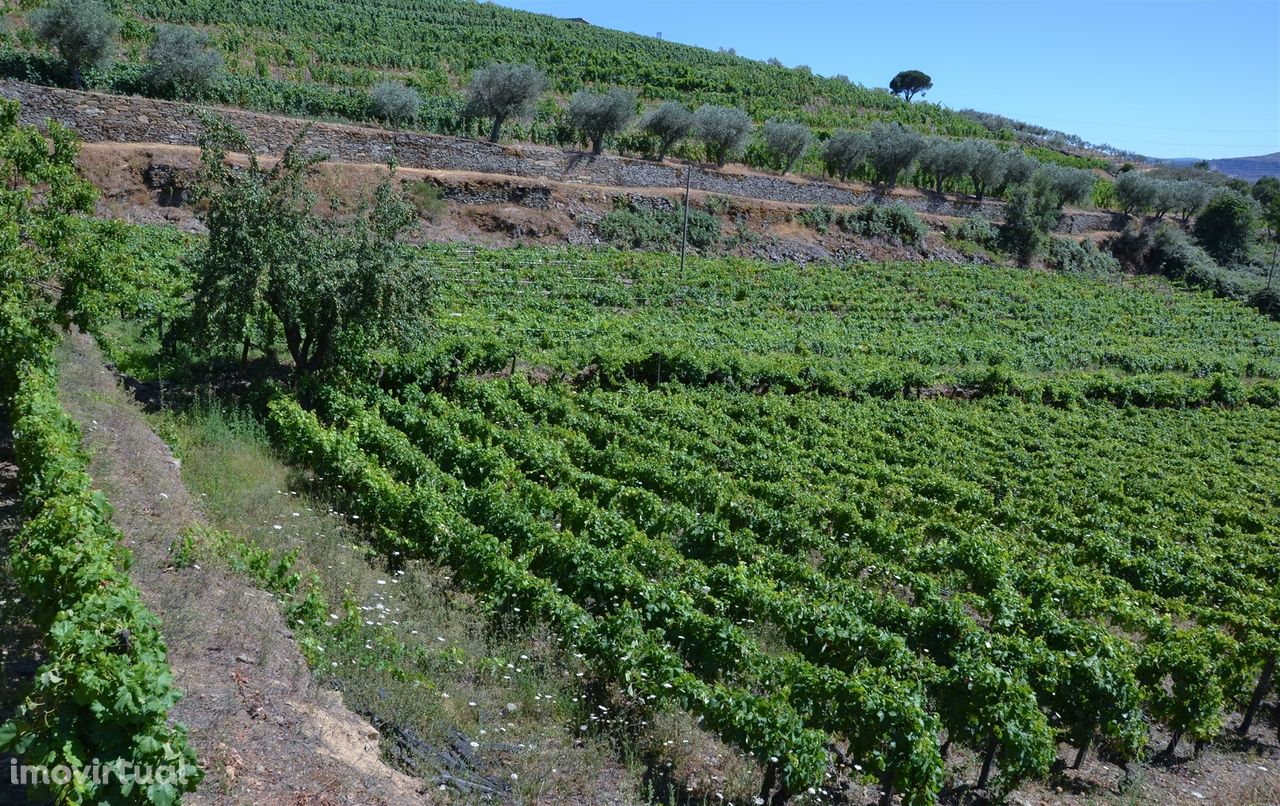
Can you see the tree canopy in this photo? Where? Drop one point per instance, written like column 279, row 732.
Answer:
column 82, row 31
column 908, row 83
column 599, row 114
column 500, row 91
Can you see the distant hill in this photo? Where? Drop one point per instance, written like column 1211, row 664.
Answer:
column 1250, row 169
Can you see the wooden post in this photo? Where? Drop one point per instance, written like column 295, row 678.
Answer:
column 987, row 758
column 1259, row 693
column 1084, row 750
column 684, row 233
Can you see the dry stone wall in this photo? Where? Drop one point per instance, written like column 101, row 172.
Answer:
column 99, row 117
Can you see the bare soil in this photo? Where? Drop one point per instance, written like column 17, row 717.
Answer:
column 263, row 729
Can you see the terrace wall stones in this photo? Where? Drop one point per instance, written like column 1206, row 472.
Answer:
column 99, row 117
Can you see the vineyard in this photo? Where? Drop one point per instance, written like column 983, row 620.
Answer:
column 851, row 519
column 320, row 58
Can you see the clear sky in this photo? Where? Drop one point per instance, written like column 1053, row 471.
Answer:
column 1171, row 78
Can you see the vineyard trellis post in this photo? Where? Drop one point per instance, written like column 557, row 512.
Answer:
column 684, row 230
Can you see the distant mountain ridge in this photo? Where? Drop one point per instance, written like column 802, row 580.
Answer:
column 1251, row 169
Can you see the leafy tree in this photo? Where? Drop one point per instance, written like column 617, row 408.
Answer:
column 272, row 267
column 1068, row 185
column 1264, row 190
column 1226, row 226
column 845, row 153
column 1018, row 168
column 1030, row 215
column 1189, row 198
column 82, row 31
column 945, row 160
column 893, row 148
column 723, row 130
column 670, row 122
column 500, row 91
column 787, row 141
column 183, row 62
column 394, row 102
column 909, row 82
column 986, row 166
column 1136, row 192
column 599, row 114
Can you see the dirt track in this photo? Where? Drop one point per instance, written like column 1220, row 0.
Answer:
column 264, row 731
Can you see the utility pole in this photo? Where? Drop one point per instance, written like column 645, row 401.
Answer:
column 684, row 233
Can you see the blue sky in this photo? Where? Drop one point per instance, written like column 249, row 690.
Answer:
column 1166, row 79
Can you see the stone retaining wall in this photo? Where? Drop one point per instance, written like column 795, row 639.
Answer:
column 99, row 117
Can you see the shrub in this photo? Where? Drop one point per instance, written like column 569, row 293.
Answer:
column 1226, row 226
column 1065, row 254
column 394, row 102
column 1029, row 217
column 895, row 221
column 976, row 229
column 629, row 228
column 427, row 199
column 599, row 114
column 820, row 217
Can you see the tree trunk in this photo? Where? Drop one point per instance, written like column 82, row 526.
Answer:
column 770, row 779
column 887, row 786
column 1172, row 747
column 497, row 128
column 77, row 80
column 662, row 151
column 1259, row 693
column 1084, row 750
column 987, row 758
column 597, row 146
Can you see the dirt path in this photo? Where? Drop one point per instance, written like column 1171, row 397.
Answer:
column 264, row 731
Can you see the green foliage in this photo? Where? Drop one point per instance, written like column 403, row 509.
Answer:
column 628, row 227
column 893, row 148
column 600, row 114
column 723, row 131
column 1226, row 226
column 82, row 31
column 183, row 63
column 272, row 266
column 104, row 691
column 820, row 217
column 845, row 153
column 910, row 82
column 394, row 102
column 987, row 167
column 1065, row 254
column 944, row 161
column 787, row 142
column 895, row 221
column 670, row 122
column 1029, row 216
column 501, row 91
column 428, row 199
column 977, row 230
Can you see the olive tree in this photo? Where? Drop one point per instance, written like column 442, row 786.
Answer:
column 1190, row 197
column 909, row 82
column 599, row 114
column 723, row 130
column 1136, row 192
column 893, row 148
column 272, row 267
column 1018, row 169
column 845, row 153
column 394, row 102
column 183, row 62
column 501, row 91
column 1069, row 185
column 787, row 142
column 670, row 122
column 82, row 31
column 1029, row 216
column 986, row 166
column 945, row 160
